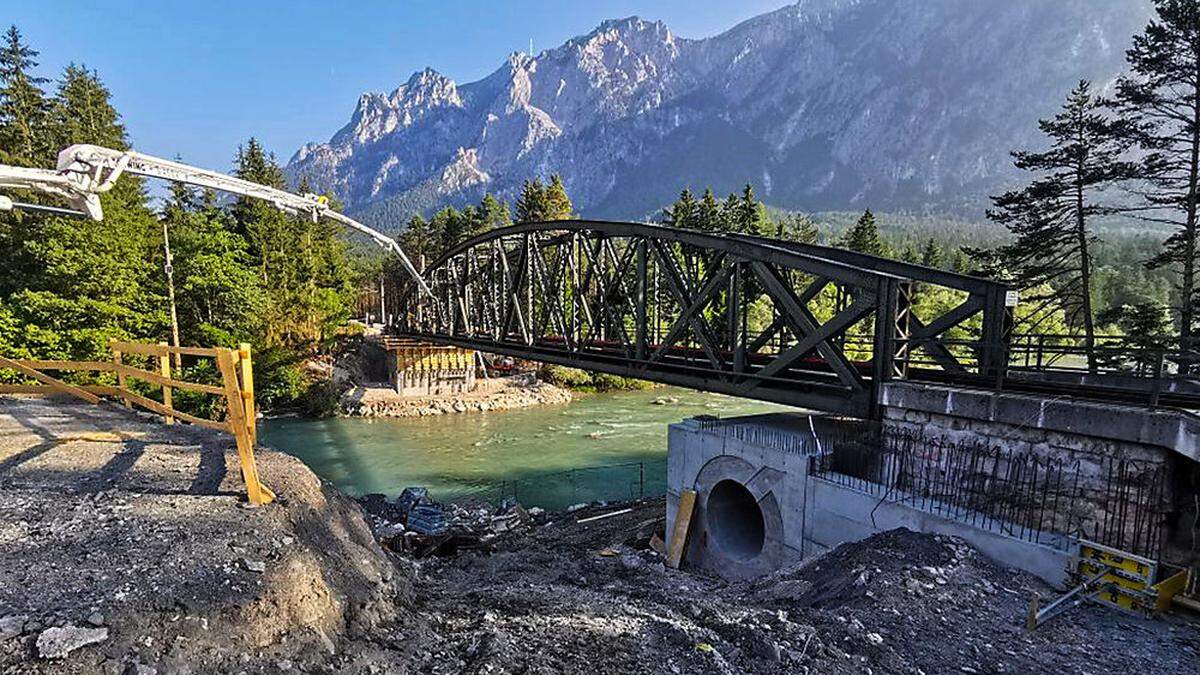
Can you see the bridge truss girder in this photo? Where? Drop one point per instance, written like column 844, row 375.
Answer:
column 750, row 317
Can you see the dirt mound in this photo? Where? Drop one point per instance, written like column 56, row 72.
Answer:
column 124, row 542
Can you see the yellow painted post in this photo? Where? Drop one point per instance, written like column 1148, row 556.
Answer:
column 682, row 529
column 256, row 492
column 164, row 369
column 116, row 357
column 247, row 372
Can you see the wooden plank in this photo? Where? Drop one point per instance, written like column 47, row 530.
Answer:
column 121, row 384
column 164, row 369
column 155, row 406
column 683, row 527
column 127, row 370
column 157, row 350
column 50, row 381
column 36, row 364
column 256, row 492
column 42, row 389
column 246, row 369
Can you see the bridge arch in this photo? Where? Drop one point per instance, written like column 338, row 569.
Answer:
column 749, row 316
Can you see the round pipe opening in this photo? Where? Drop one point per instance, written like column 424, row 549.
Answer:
column 735, row 521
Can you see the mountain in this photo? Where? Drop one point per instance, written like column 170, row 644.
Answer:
column 824, row 104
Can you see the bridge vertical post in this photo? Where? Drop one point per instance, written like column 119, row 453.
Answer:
column 736, row 314
column 883, row 348
column 642, row 342
column 997, row 332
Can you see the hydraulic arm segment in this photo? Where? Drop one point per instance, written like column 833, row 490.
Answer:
column 86, row 171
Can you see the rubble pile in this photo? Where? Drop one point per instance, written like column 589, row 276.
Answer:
column 417, row 526
column 585, row 592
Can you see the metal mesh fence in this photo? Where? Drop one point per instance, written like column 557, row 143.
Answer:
column 1115, row 501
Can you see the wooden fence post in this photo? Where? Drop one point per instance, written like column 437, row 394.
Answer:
column 247, row 370
column 164, row 369
column 116, row 357
column 256, row 492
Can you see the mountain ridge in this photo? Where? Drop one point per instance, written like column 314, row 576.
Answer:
column 823, row 104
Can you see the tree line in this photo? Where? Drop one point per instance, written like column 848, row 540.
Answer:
column 241, row 271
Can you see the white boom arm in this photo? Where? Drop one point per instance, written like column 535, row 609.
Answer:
column 87, row 171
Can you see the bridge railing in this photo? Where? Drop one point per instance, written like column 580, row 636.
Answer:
column 233, row 390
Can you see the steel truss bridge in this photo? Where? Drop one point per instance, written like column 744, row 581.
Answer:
column 791, row 323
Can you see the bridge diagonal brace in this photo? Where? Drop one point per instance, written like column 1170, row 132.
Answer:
column 779, row 322
column 925, row 336
column 553, row 307
column 514, row 280
column 805, row 325
column 691, row 305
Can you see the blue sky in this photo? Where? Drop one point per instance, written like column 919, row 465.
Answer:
column 197, row 78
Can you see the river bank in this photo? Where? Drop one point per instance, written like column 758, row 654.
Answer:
column 511, row 393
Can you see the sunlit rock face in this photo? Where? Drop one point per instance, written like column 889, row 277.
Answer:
column 824, row 104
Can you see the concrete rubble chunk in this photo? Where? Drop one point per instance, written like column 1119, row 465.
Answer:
column 56, row 643
column 12, row 626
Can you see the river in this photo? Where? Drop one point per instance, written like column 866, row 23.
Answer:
column 545, row 456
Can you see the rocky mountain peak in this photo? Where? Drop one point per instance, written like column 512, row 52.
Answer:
column 821, row 104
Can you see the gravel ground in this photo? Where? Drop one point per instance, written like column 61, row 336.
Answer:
column 586, row 598
column 125, row 547
column 127, row 543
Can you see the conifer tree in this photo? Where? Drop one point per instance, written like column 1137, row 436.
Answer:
column 558, row 204
column 1051, row 217
column 531, row 204
column 748, row 214
column 864, row 236
column 709, row 217
column 931, row 255
column 797, row 227
column 1161, row 98
column 493, row 214
column 23, row 105
column 684, row 213
column 82, row 112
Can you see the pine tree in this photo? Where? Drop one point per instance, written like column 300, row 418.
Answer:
column 1144, row 329
column 82, row 112
column 1161, row 98
column 420, row 242
column 864, row 237
column 748, row 214
column 531, row 204
column 797, row 227
column 23, row 105
column 493, row 214
column 931, row 255
column 1051, row 216
column 558, row 204
column 684, row 213
column 709, row 216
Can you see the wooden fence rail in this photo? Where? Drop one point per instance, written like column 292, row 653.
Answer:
column 237, row 388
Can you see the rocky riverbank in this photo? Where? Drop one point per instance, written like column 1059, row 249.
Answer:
column 503, row 395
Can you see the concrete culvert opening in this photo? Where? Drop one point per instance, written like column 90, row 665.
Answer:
column 735, row 521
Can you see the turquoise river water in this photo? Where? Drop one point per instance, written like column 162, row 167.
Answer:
column 546, row 456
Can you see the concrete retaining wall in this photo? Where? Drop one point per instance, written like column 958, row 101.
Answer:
column 804, row 515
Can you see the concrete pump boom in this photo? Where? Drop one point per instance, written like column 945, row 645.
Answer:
column 86, row 171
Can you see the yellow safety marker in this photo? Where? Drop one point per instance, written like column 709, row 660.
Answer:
column 683, row 526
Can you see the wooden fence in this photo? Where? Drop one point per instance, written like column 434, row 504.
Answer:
column 236, row 388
